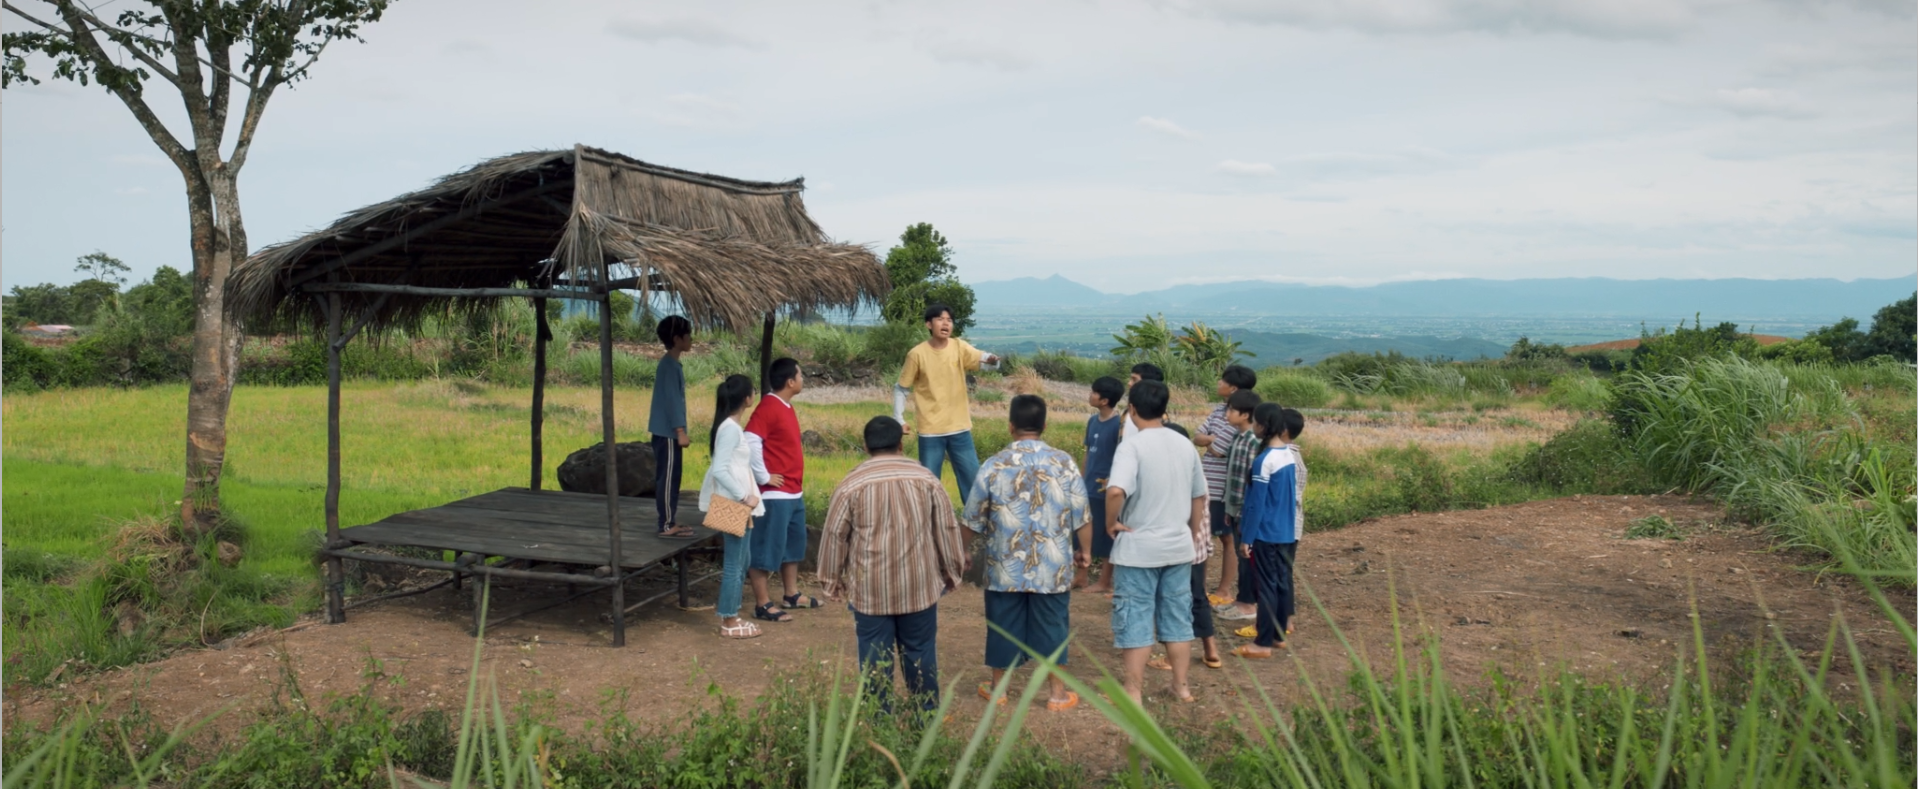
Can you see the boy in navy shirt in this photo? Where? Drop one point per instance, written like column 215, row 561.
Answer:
column 667, row 423
column 1102, row 439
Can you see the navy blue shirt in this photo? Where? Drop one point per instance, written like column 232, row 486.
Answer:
column 669, row 399
column 1102, row 440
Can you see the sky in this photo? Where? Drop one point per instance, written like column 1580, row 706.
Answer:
column 1125, row 145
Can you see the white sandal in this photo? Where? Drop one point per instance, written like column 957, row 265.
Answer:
column 744, row 629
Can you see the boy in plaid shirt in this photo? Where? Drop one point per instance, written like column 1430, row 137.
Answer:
column 1238, row 471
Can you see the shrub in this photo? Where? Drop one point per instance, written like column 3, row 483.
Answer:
column 1579, row 392
column 1588, row 458
column 1294, row 388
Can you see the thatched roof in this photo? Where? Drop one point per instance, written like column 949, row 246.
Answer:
column 731, row 251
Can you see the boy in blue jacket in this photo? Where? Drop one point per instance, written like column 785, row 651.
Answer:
column 1270, row 525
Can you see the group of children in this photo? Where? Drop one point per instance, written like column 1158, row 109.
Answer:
column 1243, row 489
column 1153, row 497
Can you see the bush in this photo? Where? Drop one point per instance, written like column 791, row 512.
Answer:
column 1588, row 458
column 1294, row 388
column 1579, row 392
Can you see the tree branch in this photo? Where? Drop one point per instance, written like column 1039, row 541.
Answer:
column 68, row 10
column 90, row 49
column 186, row 55
column 132, row 36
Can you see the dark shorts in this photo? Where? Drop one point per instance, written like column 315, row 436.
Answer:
column 779, row 536
column 1039, row 621
column 1215, row 510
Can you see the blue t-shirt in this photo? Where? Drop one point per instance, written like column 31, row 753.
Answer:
column 1102, row 439
column 669, row 399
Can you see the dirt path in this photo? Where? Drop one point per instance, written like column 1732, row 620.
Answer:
column 1541, row 584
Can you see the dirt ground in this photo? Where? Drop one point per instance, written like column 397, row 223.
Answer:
column 1544, row 584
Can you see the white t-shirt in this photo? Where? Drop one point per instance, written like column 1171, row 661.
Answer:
column 1159, row 472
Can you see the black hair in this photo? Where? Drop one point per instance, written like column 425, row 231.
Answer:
column 1243, row 401
column 936, row 310
column 1149, row 399
column 732, row 396
column 673, row 327
column 1109, row 388
column 1239, row 377
column 1178, row 428
column 1271, row 420
column 784, row 369
column 1028, row 412
column 1148, row 371
column 883, row 433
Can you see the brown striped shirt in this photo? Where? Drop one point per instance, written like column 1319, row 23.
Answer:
column 891, row 542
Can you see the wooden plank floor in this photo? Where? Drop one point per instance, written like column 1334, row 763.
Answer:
column 545, row 525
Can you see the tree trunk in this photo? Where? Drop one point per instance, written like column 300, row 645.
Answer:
column 219, row 242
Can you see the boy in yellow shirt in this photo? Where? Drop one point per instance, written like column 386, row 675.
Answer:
column 935, row 377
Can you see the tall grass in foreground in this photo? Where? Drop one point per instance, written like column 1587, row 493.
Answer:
column 1777, row 719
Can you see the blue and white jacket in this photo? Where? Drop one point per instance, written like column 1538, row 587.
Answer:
column 1273, row 502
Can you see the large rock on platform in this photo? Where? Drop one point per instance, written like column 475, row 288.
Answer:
column 584, row 471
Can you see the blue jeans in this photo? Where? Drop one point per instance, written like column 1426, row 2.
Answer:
column 1146, row 600
column 732, row 573
column 909, row 641
column 779, row 536
column 958, row 448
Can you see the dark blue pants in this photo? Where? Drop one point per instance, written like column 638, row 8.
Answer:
column 666, row 477
column 1201, row 607
column 1272, row 562
column 1101, row 541
column 1040, row 621
column 908, row 641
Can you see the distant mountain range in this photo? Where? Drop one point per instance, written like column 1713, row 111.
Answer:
column 1660, row 299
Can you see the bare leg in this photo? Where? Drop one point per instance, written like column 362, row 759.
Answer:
column 1104, row 584
column 1135, row 671
column 762, row 594
column 1058, row 689
column 789, row 577
column 1211, row 645
column 1180, row 653
column 1228, row 567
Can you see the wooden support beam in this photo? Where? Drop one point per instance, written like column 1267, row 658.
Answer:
column 612, row 459
column 335, row 569
column 462, row 293
column 542, row 333
column 395, row 242
column 766, row 357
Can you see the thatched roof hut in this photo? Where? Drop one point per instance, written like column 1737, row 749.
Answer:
column 730, row 251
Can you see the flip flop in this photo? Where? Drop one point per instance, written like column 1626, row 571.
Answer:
column 1249, row 631
column 1217, row 599
column 1231, row 613
column 678, row 532
column 1247, row 653
column 1072, row 700
column 1213, row 662
column 792, row 601
column 771, row 613
column 1158, row 662
column 985, row 692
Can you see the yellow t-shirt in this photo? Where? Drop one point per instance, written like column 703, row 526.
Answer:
column 937, row 379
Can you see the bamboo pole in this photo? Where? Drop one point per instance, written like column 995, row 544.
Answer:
column 460, row 293
column 335, row 569
column 612, row 459
column 542, row 333
column 766, row 357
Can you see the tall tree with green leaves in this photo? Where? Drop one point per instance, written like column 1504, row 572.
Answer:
column 214, row 54
column 922, row 273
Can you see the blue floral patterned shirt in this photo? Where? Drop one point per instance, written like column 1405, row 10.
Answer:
column 1028, row 500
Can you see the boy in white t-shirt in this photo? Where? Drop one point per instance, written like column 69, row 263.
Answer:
column 1155, row 510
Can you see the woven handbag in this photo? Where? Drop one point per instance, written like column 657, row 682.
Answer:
column 729, row 516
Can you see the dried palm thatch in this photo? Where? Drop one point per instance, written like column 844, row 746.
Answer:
column 729, row 251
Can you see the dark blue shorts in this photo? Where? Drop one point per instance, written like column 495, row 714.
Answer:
column 1040, row 621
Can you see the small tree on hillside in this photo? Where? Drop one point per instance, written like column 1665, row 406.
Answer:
column 922, row 273
column 1894, row 331
column 1149, row 335
column 102, row 266
column 210, row 53
column 1208, row 348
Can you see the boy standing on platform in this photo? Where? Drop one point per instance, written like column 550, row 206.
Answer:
column 667, row 423
column 779, row 536
column 1029, row 505
column 935, row 377
column 1102, row 439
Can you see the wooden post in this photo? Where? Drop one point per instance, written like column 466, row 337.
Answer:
column 335, row 568
column 612, row 460
column 766, row 357
column 542, row 333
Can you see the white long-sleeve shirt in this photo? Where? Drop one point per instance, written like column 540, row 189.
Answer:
column 731, row 472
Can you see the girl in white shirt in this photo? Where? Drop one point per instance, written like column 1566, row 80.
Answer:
column 731, row 476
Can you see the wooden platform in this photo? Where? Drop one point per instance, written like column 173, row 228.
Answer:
column 541, row 526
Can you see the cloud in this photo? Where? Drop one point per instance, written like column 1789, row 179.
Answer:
column 1352, row 165
column 691, row 31
column 1246, row 169
column 1166, row 127
column 1757, row 102
column 700, row 111
column 1608, row 19
column 947, row 49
